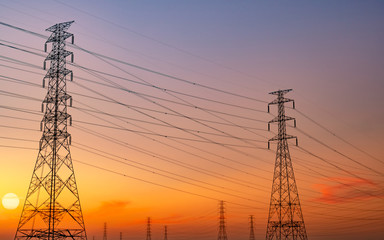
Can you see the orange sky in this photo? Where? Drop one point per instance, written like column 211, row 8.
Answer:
column 331, row 54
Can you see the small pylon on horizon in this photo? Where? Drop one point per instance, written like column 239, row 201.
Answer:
column 251, row 232
column 149, row 229
column 105, row 231
column 165, row 232
column 222, row 229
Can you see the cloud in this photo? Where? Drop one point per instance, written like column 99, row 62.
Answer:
column 114, row 205
column 341, row 190
column 110, row 209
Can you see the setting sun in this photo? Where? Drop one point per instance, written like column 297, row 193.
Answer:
column 10, row 201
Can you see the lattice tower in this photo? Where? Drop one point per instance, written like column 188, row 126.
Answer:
column 285, row 220
column 251, row 231
column 52, row 207
column 149, row 229
column 222, row 228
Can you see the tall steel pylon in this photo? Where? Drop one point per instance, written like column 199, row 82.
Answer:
column 222, row 229
column 52, row 206
column 251, row 231
column 149, row 236
column 285, row 220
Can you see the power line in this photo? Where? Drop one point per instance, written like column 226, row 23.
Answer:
column 340, row 138
column 142, row 150
column 142, row 108
column 145, row 114
column 141, row 68
column 162, row 43
column 340, row 153
column 163, row 175
column 183, row 100
column 341, row 169
column 24, row 119
column 148, row 85
column 160, row 185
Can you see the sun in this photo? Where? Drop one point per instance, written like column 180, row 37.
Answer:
column 10, row 201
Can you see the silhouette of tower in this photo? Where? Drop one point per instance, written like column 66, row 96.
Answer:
column 251, row 232
column 121, row 236
column 285, row 220
column 52, row 206
column 222, row 230
column 165, row 232
column 149, row 229
column 105, row 232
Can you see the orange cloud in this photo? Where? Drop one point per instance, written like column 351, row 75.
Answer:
column 116, row 210
column 340, row 190
column 112, row 206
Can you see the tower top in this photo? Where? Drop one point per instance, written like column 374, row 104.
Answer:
column 280, row 91
column 60, row 26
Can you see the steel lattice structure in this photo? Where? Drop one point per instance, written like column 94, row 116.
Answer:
column 222, row 230
column 105, row 232
column 251, row 231
column 285, row 220
column 149, row 233
column 52, row 206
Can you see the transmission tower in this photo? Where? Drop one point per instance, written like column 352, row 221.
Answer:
column 251, row 232
column 285, row 220
column 149, row 229
column 52, row 206
column 222, row 229
column 121, row 236
column 105, row 232
column 165, row 232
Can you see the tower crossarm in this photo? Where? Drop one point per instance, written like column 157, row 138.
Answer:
column 285, row 118
column 60, row 26
column 278, row 138
column 281, row 138
column 281, row 119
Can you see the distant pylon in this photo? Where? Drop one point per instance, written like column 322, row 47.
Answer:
column 222, row 229
column 105, row 232
column 121, row 236
column 149, row 228
column 251, row 232
column 285, row 220
column 165, row 232
column 52, row 206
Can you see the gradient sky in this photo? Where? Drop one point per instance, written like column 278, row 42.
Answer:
column 329, row 52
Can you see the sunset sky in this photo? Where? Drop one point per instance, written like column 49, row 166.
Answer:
column 172, row 117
